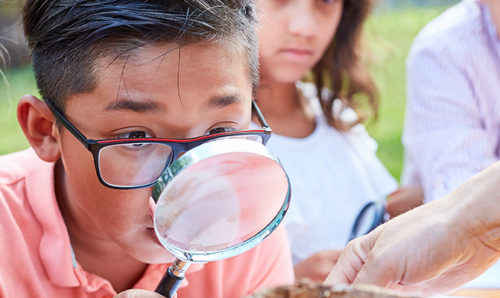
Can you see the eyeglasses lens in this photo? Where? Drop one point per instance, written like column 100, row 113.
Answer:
column 137, row 164
column 133, row 164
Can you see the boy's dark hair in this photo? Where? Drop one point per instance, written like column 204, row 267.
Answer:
column 68, row 36
column 341, row 68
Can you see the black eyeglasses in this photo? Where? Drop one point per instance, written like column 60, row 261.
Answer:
column 131, row 163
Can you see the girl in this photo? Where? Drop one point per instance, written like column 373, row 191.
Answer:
column 318, row 137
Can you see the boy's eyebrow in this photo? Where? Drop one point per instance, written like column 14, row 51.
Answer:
column 136, row 106
column 224, row 101
column 151, row 106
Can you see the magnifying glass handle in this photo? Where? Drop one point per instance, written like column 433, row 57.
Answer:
column 168, row 284
column 172, row 279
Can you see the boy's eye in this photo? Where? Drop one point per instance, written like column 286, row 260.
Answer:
column 134, row 135
column 329, row 1
column 217, row 130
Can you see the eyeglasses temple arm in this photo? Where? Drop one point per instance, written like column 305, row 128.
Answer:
column 260, row 116
column 59, row 115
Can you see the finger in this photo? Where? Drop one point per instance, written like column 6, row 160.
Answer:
column 348, row 264
column 379, row 267
column 384, row 264
column 376, row 272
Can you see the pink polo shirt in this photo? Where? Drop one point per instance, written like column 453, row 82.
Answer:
column 36, row 258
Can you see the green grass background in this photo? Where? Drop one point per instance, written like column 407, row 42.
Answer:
column 389, row 37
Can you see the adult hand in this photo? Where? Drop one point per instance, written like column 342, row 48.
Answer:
column 136, row 293
column 404, row 199
column 431, row 249
column 317, row 266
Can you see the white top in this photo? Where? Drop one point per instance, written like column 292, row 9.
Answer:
column 333, row 175
column 452, row 128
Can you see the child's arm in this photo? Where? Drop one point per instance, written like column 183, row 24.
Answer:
column 318, row 266
column 404, row 199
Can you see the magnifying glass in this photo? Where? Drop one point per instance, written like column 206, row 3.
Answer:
column 216, row 201
column 371, row 216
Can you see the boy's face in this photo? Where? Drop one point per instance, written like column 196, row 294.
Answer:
column 157, row 92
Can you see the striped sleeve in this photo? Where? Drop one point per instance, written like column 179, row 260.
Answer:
column 445, row 138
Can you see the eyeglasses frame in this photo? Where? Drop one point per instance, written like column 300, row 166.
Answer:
column 178, row 145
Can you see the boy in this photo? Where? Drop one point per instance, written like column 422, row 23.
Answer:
column 75, row 214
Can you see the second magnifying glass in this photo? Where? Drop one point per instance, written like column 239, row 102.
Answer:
column 369, row 217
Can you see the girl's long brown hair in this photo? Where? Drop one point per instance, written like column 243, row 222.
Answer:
column 341, row 68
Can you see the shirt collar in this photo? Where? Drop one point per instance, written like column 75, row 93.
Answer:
column 55, row 246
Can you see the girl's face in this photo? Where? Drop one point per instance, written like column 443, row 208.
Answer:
column 294, row 34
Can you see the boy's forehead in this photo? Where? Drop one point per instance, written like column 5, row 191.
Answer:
column 166, row 70
column 170, row 53
column 171, row 62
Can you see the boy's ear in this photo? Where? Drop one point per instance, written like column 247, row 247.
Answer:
column 39, row 127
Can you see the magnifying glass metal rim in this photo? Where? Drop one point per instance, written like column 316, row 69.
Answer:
column 204, row 151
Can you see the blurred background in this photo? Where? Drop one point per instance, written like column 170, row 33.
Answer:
column 389, row 33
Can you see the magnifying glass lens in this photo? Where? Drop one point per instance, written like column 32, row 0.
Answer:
column 220, row 202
